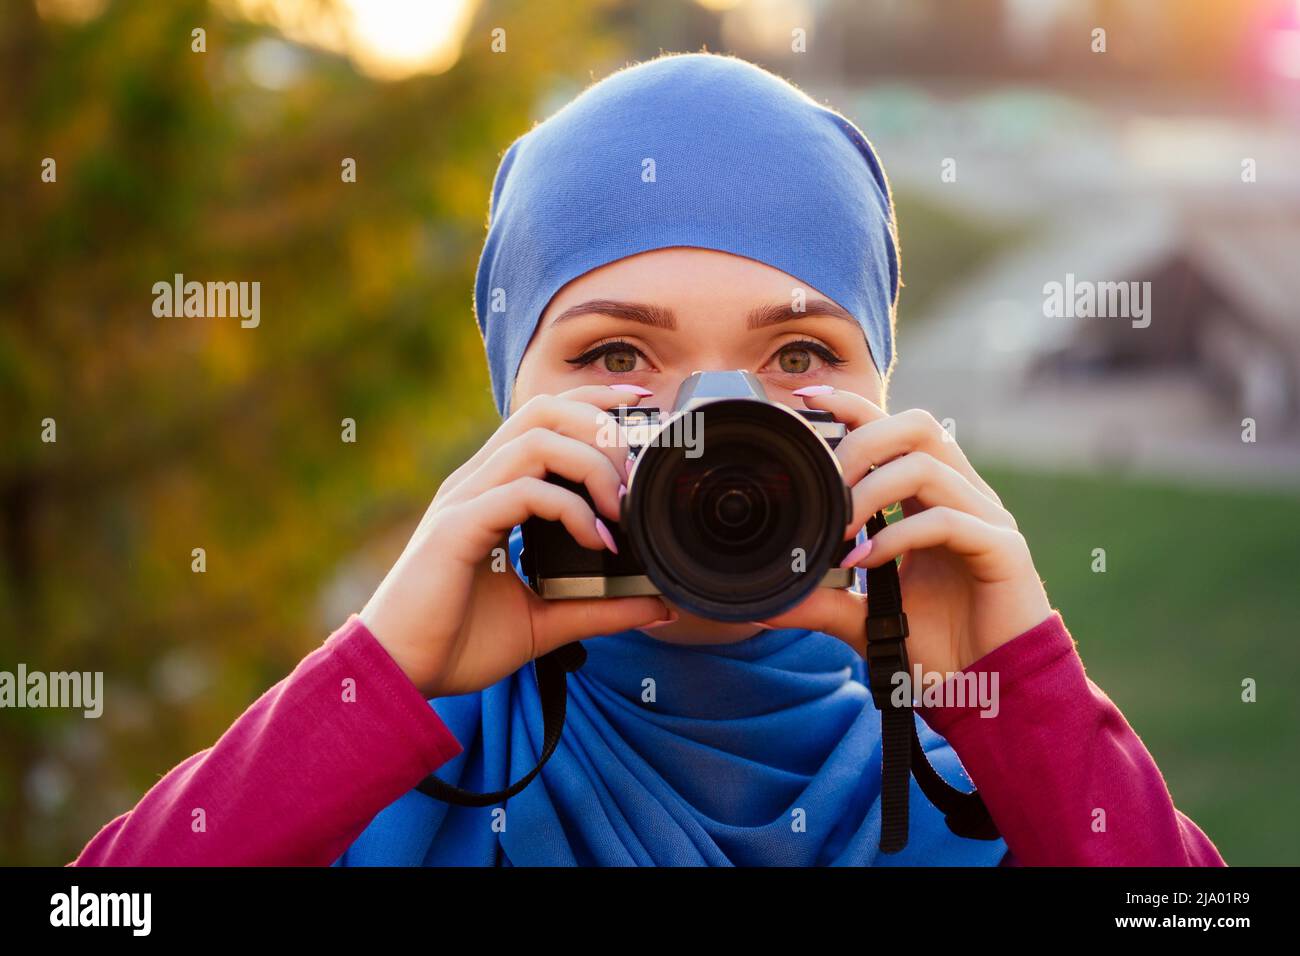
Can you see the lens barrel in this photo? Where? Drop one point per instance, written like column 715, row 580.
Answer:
column 741, row 522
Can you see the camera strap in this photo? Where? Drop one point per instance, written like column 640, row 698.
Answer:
column 902, row 754
column 552, row 671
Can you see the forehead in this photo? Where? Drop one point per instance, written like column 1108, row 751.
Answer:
column 680, row 277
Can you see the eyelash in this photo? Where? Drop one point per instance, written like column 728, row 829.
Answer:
column 601, row 349
column 821, row 351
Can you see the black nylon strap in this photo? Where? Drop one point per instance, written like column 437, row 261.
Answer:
column 895, row 778
column 964, row 812
column 902, row 755
column 552, row 671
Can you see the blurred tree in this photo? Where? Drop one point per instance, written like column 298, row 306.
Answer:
column 183, row 433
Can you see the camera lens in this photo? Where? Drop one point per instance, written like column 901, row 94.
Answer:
column 741, row 524
column 732, row 509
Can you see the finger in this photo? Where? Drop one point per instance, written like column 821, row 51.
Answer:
column 556, row 623
column 581, row 413
column 570, row 413
column 858, row 412
column 539, row 452
column 985, row 548
column 878, row 442
column 848, row 408
column 833, row 611
column 930, row 482
column 599, row 395
column 477, row 525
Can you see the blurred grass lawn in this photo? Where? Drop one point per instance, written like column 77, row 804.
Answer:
column 1200, row 592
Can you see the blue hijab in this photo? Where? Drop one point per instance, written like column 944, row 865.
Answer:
column 762, row 752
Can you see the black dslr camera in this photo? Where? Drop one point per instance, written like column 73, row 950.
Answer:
column 735, row 508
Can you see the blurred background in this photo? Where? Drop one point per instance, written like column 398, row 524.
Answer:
column 1019, row 152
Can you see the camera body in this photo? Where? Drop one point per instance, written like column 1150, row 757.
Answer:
column 735, row 507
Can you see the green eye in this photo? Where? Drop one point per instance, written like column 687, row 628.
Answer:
column 620, row 360
column 615, row 357
column 795, row 360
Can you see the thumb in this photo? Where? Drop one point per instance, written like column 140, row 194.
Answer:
column 841, row 614
column 563, row 622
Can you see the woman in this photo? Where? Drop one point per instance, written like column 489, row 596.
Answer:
column 692, row 212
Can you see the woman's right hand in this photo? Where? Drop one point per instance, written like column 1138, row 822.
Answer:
column 455, row 616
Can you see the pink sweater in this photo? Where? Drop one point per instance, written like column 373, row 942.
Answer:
column 306, row 767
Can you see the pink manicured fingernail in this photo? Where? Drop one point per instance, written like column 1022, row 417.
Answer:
column 634, row 389
column 606, row 536
column 813, row 390
column 622, row 490
column 857, row 554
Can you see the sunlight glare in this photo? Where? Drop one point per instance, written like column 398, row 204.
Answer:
column 399, row 37
column 387, row 39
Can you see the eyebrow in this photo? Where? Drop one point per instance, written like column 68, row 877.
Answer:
column 661, row 318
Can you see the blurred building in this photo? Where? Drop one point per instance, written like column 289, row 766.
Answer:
column 1166, row 393
column 1225, row 301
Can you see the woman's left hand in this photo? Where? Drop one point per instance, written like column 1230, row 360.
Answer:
column 968, row 581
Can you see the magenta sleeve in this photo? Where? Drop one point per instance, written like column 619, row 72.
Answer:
column 1064, row 776
column 297, row 777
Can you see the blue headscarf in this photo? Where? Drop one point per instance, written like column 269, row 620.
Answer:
column 762, row 752
column 690, row 150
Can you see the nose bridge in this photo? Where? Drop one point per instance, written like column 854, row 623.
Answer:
column 713, row 343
